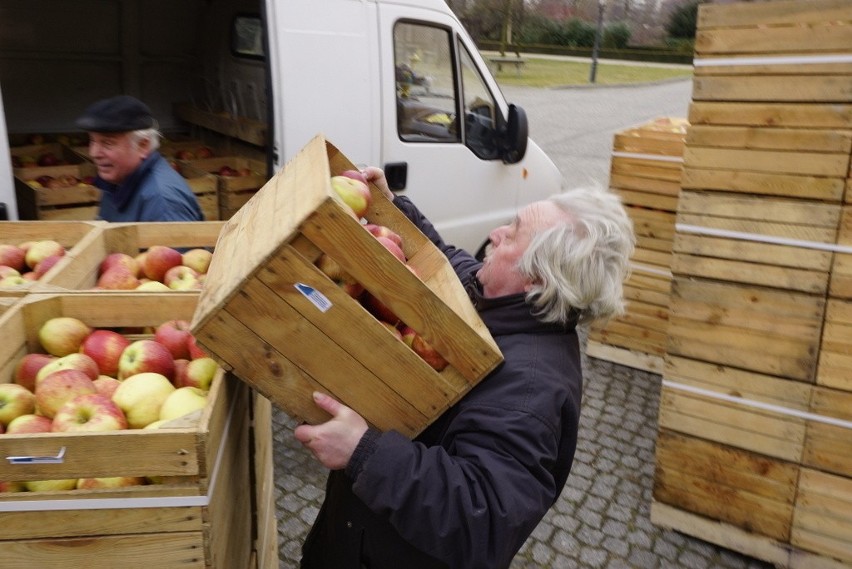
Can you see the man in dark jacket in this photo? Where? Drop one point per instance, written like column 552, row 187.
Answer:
column 470, row 489
column 136, row 182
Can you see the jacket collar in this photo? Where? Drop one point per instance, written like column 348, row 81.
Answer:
column 122, row 193
column 511, row 313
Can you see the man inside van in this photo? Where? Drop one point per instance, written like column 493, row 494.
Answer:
column 470, row 489
column 136, row 182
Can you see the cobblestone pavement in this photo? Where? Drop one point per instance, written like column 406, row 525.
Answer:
column 602, row 518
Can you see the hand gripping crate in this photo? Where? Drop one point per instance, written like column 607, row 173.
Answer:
column 267, row 313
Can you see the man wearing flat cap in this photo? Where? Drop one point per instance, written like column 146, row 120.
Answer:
column 137, row 183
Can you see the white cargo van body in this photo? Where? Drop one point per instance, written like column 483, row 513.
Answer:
column 398, row 84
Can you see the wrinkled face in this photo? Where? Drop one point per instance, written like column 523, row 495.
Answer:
column 499, row 274
column 115, row 155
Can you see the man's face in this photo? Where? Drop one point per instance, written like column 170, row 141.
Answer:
column 499, row 274
column 115, row 155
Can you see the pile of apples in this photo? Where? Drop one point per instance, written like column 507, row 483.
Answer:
column 44, row 159
column 63, row 181
column 199, row 153
column 351, row 187
column 97, row 380
column 230, row 172
column 159, row 268
column 22, row 264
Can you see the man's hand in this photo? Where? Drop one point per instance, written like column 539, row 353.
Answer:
column 334, row 441
column 377, row 177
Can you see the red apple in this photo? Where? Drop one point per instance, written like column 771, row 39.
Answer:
column 354, row 194
column 195, row 350
column 12, row 256
column 49, row 159
column 392, row 329
column 118, row 277
column 153, row 286
column 203, row 152
column 180, row 372
column 383, row 231
column 63, row 335
column 146, row 356
column 429, row 354
column 181, row 278
column 159, row 259
column 141, row 396
column 174, row 335
column 378, row 309
column 226, row 171
column 28, row 367
column 199, row 373
column 41, row 250
column 355, row 175
column 26, row 424
column 197, row 260
column 106, row 385
column 392, row 247
column 92, row 412
column 44, row 266
column 6, row 271
column 109, row 482
column 54, row 390
column 15, row 400
column 78, row 361
column 105, row 348
column 114, row 259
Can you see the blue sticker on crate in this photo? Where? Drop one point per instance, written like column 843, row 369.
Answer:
column 317, row 298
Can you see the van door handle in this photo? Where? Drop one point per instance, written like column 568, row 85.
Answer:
column 397, row 175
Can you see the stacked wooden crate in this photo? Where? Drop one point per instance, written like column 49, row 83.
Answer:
column 756, row 406
column 645, row 172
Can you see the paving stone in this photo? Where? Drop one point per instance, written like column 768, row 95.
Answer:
column 593, row 557
column 616, row 547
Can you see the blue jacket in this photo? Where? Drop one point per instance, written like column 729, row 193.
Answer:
column 471, row 488
column 153, row 192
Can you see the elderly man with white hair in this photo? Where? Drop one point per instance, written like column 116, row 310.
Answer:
column 470, row 489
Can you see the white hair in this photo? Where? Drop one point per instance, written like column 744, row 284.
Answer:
column 580, row 266
column 152, row 135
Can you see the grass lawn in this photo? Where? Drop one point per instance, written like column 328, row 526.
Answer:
column 557, row 73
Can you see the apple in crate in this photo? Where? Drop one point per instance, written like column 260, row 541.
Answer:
column 78, row 361
column 6, row 271
column 141, row 396
column 423, row 349
column 174, row 335
column 54, row 390
column 159, row 259
column 62, row 485
column 105, row 348
column 45, row 265
column 181, row 278
column 63, row 335
column 144, row 356
column 92, row 412
column 106, row 385
column 109, row 482
column 28, row 367
column 28, row 424
column 353, row 192
column 182, row 401
column 153, row 286
column 198, row 373
column 12, row 256
column 15, row 400
column 119, row 259
column 118, row 277
column 41, row 250
column 13, row 281
column 197, row 260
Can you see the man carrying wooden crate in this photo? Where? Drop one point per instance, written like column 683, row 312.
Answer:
column 471, row 488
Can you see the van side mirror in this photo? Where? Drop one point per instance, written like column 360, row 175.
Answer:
column 513, row 145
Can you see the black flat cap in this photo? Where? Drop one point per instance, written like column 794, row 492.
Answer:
column 117, row 114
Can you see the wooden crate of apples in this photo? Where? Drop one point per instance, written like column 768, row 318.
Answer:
column 320, row 283
column 58, row 192
column 30, row 251
column 239, row 179
column 124, row 443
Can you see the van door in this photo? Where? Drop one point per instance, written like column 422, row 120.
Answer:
column 439, row 133
column 8, row 205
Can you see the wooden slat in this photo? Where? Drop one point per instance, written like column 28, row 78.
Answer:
column 624, row 356
column 799, row 163
column 761, row 183
column 823, row 36
column 775, row 114
column 803, row 89
column 823, row 515
column 779, row 12
column 761, row 138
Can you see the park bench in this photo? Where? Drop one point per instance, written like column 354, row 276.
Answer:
column 500, row 61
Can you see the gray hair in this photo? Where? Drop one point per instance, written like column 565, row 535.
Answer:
column 152, row 135
column 581, row 265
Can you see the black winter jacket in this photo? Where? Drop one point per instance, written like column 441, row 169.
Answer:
column 470, row 489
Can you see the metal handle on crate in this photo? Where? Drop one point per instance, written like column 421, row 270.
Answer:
column 58, row 459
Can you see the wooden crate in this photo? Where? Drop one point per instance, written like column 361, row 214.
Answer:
column 234, row 191
column 205, row 186
column 840, row 285
column 72, row 235
column 822, row 520
column 265, row 526
column 828, row 444
column 835, row 354
column 200, row 519
column 79, row 272
column 78, row 202
column 267, row 313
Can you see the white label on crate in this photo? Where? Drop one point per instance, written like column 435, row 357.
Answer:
column 317, row 298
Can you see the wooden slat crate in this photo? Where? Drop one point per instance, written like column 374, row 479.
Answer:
column 79, row 271
column 270, row 315
column 835, row 355
column 234, row 191
column 79, row 202
column 828, row 444
column 822, row 520
column 645, row 172
column 205, row 186
column 265, row 527
column 202, row 518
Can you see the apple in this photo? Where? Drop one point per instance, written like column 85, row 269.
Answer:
column 197, row 259
column 181, row 278
column 63, row 335
column 106, row 385
column 54, row 390
column 244, row 172
column 49, row 159
column 355, row 175
column 13, row 281
column 427, row 353
column 30, row 276
column 46, row 264
column 159, row 259
column 118, row 277
column 91, row 412
column 7, row 271
column 140, row 397
column 78, row 361
column 105, row 348
column 330, row 267
column 146, row 356
column 15, row 400
column 12, row 486
column 28, row 367
column 153, row 286
column 41, row 250
column 203, row 152
column 51, row 485
column 354, row 193
column 392, row 247
column 392, row 329
column 174, row 335
column 116, row 259
column 28, row 424
column 12, row 256
column 198, row 373
column 182, row 401
column 382, row 231
column 185, row 155
column 109, row 482
column 180, row 372
column 226, row 171
column 378, row 309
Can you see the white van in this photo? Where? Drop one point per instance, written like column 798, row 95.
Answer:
column 393, row 83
